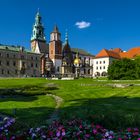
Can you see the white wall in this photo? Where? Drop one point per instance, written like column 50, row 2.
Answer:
column 100, row 65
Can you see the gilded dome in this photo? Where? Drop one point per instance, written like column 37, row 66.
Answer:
column 77, row 61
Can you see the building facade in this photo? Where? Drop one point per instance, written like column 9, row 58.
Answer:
column 105, row 57
column 18, row 62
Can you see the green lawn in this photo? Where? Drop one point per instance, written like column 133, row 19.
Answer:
column 84, row 98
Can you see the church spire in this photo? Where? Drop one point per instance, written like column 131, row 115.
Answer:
column 38, row 29
column 55, row 29
column 66, row 37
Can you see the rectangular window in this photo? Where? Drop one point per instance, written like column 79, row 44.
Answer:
column 16, row 71
column 31, row 58
column 104, row 62
column 96, row 68
column 14, row 63
column 104, row 67
column 14, row 56
column 7, row 55
column 100, row 68
column 32, row 65
column 100, row 62
column 58, row 69
column 2, row 71
column 22, row 56
column 8, row 72
column 36, row 65
column 23, row 64
column 7, row 63
column 96, row 62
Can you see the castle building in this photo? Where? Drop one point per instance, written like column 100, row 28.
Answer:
column 57, row 58
column 15, row 61
column 52, row 58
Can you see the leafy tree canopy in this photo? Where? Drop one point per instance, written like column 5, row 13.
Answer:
column 124, row 69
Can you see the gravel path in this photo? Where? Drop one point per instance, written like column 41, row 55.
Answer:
column 54, row 115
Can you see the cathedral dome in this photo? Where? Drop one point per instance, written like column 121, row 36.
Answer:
column 77, row 61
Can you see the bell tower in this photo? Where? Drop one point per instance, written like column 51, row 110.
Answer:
column 55, row 49
column 38, row 41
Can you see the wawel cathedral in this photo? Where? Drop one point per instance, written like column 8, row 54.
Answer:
column 45, row 59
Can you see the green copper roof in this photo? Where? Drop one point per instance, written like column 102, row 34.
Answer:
column 13, row 48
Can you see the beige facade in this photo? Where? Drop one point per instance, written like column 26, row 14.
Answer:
column 17, row 62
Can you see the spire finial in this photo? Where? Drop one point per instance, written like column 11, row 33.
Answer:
column 38, row 10
column 77, row 54
column 66, row 36
column 56, row 28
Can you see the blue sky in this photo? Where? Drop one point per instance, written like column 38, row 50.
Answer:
column 108, row 23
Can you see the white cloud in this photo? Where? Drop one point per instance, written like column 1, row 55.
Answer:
column 83, row 24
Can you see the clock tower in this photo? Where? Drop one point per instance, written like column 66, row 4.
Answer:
column 38, row 41
column 55, row 49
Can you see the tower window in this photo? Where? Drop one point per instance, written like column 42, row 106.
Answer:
column 40, row 32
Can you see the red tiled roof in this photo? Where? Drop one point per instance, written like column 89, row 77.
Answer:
column 118, row 53
column 132, row 53
column 117, row 50
column 108, row 53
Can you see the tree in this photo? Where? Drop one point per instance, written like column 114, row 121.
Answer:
column 123, row 69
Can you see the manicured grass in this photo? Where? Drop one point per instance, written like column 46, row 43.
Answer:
column 29, row 110
column 105, row 105
column 88, row 99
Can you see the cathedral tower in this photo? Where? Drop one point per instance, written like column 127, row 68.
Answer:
column 55, row 49
column 38, row 41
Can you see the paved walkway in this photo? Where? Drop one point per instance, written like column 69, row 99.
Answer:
column 54, row 115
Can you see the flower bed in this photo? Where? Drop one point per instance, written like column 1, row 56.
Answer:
column 70, row 130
